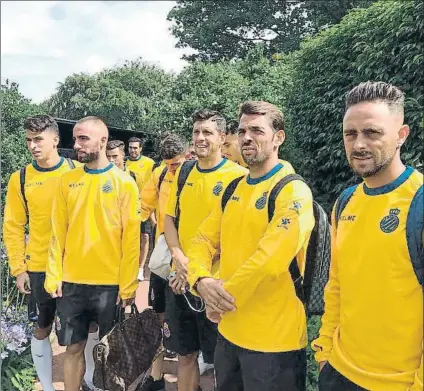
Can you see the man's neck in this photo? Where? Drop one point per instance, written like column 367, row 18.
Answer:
column 50, row 162
column 134, row 159
column 210, row 162
column 392, row 172
column 258, row 171
column 100, row 163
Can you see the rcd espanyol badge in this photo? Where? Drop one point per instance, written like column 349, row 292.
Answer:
column 391, row 222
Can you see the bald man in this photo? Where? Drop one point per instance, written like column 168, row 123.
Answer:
column 94, row 249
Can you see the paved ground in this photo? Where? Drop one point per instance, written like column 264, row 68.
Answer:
column 170, row 366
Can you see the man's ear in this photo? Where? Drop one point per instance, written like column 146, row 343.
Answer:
column 403, row 135
column 56, row 140
column 280, row 137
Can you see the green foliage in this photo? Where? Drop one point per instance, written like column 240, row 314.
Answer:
column 383, row 42
column 220, row 30
column 314, row 324
column 19, row 374
column 15, row 108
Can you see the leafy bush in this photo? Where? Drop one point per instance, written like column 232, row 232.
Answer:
column 383, row 43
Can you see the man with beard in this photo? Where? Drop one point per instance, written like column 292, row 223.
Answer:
column 185, row 331
column 372, row 330
column 262, row 322
column 142, row 167
column 231, row 148
column 29, row 197
column 94, row 249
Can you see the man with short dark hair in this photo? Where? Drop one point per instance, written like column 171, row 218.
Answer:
column 94, row 250
column 231, row 148
column 262, row 322
column 29, row 198
column 372, row 330
column 142, row 167
column 153, row 200
column 185, row 331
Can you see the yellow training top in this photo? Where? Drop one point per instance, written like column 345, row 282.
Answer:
column 202, row 192
column 255, row 260
column 142, row 168
column 95, row 230
column 372, row 329
column 154, row 199
column 40, row 187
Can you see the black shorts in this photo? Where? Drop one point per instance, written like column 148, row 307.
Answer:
column 186, row 331
column 238, row 369
column 146, row 227
column 82, row 304
column 157, row 289
column 45, row 304
column 331, row 380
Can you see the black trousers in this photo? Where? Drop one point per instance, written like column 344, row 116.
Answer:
column 238, row 369
column 331, row 380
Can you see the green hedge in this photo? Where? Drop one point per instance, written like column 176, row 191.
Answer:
column 381, row 43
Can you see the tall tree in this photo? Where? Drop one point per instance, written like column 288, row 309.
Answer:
column 219, row 29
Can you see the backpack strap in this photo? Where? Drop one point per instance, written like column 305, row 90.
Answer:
column 155, row 166
column 22, row 175
column 182, row 178
column 162, row 177
column 415, row 234
column 71, row 163
column 133, row 175
column 229, row 191
column 343, row 200
column 294, row 270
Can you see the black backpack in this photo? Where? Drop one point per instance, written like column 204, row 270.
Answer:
column 22, row 176
column 310, row 287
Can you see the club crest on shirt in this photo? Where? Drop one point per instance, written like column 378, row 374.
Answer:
column 261, row 201
column 107, row 187
column 390, row 222
column 218, row 188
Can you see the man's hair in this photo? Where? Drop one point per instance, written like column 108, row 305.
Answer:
column 379, row 91
column 171, row 146
column 115, row 144
column 272, row 112
column 91, row 118
column 206, row 114
column 41, row 123
column 135, row 140
column 232, row 127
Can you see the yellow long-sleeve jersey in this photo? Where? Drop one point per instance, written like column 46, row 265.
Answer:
column 154, row 199
column 201, row 194
column 142, row 168
column 40, row 187
column 95, row 230
column 255, row 259
column 372, row 329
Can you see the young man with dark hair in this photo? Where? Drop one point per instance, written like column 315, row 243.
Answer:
column 185, row 331
column 142, row 167
column 153, row 200
column 372, row 330
column 262, row 322
column 28, row 201
column 94, row 250
column 231, row 148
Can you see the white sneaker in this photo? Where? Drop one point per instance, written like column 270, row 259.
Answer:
column 203, row 367
column 140, row 276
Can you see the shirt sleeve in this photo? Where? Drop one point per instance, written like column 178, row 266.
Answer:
column 418, row 380
column 331, row 318
column 149, row 197
column 172, row 199
column 203, row 247
column 15, row 219
column 59, row 220
column 130, row 215
column 284, row 237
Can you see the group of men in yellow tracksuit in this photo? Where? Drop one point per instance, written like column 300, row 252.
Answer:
column 83, row 254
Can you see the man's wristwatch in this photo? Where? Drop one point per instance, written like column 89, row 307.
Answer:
column 197, row 283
